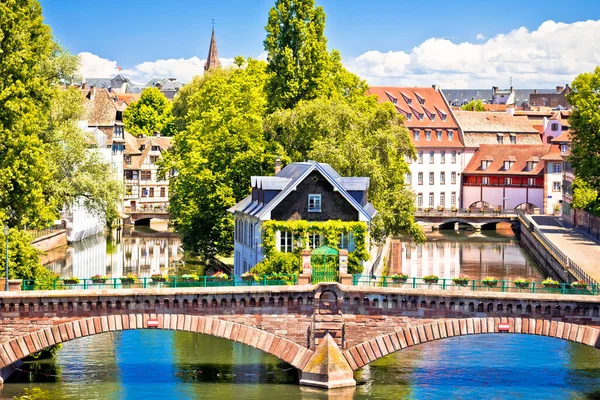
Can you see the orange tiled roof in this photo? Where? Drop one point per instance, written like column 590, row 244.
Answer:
column 500, row 153
column 492, row 122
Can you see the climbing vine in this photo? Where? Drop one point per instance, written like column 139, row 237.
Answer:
column 276, row 262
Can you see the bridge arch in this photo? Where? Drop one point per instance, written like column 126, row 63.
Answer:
column 22, row 346
column 371, row 350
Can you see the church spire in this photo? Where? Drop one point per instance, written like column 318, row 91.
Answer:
column 212, row 61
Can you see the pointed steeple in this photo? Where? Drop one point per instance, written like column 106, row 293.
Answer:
column 212, row 61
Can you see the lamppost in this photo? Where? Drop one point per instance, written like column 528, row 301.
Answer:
column 6, row 232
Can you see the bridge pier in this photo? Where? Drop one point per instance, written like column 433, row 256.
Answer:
column 327, row 368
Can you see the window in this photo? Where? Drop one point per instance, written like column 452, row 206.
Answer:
column 344, row 240
column 453, row 177
column 557, row 168
column 450, row 135
column 508, row 181
column 421, row 117
column 419, row 200
column 146, row 175
column 417, row 134
column 431, row 157
column 500, row 138
column 556, row 187
column 314, row 240
column 431, row 178
column 549, row 139
column 529, row 165
column 453, row 157
column 409, row 160
column 118, row 131
column 430, row 199
column 420, row 178
column 408, row 116
column 442, row 199
column 427, row 135
column 485, row 164
column 453, row 199
column 443, row 157
column 408, row 178
column 508, row 165
column 531, row 181
column 442, row 178
column 513, row 139
column 285, row 242
column 135, row 175
column 554, row 126
column 485, row 180
column 439, row 135
column 564, row 148
column 153, row 159
column 420, row 157
column 314, row 203
column 142, row 147
column 128, row 160
column 163, row 192
column 144, row 192
column 155, row 148
column 151, row 192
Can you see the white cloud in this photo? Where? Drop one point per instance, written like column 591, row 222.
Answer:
column 551, row 55
column 93, row 66
column 480, row 36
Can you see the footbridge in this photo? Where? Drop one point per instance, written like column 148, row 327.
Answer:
column 326, row 331
column 475, row 219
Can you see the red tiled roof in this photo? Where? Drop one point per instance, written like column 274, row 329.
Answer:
column 436, row 113
column 500, row 153
column 564, row 137
column 492, row 122
column 540, row 128
column 554, row 154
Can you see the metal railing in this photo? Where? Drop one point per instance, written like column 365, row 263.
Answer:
column 503, row 286
column 38, row 233
column 148, row 283
column 558, row 255
column 462, row 212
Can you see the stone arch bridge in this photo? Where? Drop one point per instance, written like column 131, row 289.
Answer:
column 476, row 220
column 326, row 331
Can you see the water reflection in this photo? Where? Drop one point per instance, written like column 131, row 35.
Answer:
column 141, row 251
column 449, row 254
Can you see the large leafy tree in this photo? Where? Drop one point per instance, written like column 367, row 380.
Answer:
column 358, row 139
column 585, row 126
column 220, row 145
column 150, row 114
column 473, row 105
column 300, row 66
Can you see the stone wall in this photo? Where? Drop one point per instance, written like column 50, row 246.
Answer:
column 51, row 241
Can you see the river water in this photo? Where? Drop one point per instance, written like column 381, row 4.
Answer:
column 181, row 365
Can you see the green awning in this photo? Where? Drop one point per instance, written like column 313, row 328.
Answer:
column 324, row 251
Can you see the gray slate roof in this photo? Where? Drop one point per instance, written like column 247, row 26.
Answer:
column 465, row 95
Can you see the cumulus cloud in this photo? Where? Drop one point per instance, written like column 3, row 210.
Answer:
column 93, row 66
column 551, row 55
column 480, row 36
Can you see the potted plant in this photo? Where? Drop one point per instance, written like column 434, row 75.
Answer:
column 441, row 209
column 190, row 278
column 522, row 283
column 128, row 279
column 431, row 279
column 426, row 209
column 556, row 209
column 482, row 210
column 399, row 278
column 550, row 283
column 220, row 276
column 469, row 210
column 454, row 209
column 73, row 280
column 498, row 210
column 249, row 276
column 489, row 281
column 99, row 278
column 461, row 280
column 579, row 285
column 159, row 278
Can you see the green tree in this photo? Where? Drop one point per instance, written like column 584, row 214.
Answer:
column 220, row 145
column 359, row 139
column 300, row 66
column 151, row 113
column 473, row 105
column 585, row 126
column 584, row 196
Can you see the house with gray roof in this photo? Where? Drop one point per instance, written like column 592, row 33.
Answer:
column 309, row 191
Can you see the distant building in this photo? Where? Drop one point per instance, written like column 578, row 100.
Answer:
column 435, row 174
column 117, row 84
column 459, row 97
column 309, row 191
column 503, row 96
column 557, row 99
column 144, row 191
column 167, row 86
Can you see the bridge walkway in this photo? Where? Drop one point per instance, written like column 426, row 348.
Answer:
column 579, row 247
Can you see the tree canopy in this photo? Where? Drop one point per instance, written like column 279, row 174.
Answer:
column 150, row 114
column 473, row 105
column 220, row 146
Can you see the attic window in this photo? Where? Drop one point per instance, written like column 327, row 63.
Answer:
column 433, row 117
column 439, row 135
column 450, row 134
column 417, row 134
column 508, row 164
column 421, row 117
column 408, row 116
column 314, row 203
column 428, row 135
column 315, row 179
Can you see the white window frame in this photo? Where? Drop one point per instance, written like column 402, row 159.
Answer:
column 453, row 157
column 315, row 199
column 453, row 199
column 439, row 135
column 420, row 178
column 314, row 240
column 431, row 199
column 420, row 157
column 286, row 241
column 442, row 178
column 431, row 157
column 556, row 187
column 485, row 180
column 443, row 157
column 453, row 178
column 557, row 168
column 419, row 200
column 432, row 178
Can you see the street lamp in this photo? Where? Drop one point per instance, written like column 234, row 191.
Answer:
column 6, row 232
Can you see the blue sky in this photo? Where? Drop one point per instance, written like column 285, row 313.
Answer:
column 132, row 32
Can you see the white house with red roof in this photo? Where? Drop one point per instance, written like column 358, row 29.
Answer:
column 435, row 174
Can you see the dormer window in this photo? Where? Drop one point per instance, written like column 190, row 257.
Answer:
column 314, row 203
column 408, row 116
column 417, row 134
column 409, row 101
column 508, row 164
column 500, row 138
column 428, row 135
column 421, row 117
column 450, row 135
column 118, row 131
column 155, row 148
column 433, row 117
column 439, row 135
column 564, row 148
column 513, row 139
column 443, row 117
column 485, row 164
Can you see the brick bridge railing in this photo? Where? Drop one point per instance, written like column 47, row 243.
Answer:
column 326, row 331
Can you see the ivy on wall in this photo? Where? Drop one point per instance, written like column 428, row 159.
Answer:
column 277, row 262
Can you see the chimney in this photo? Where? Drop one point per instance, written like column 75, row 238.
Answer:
column 559, row 89
column 156, row 134
column 494, row 90
column 83, row 85
column 277, row 165
column 92, row 92
column 436, row 87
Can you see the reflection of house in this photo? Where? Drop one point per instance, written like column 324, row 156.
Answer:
column 144, row 191
column 308, row 191
column 509, row 176
column 435, row 174
column 558, row 99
